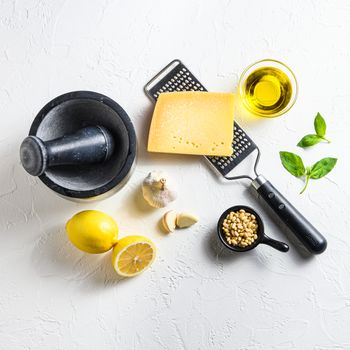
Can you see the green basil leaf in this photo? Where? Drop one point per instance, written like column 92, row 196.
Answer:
column 322, row 167
column 309, row 140
column 320, row 125
column 292, row 163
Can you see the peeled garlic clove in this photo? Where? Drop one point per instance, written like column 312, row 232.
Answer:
column 169, row 221
column 158, row 189
column 185, row 220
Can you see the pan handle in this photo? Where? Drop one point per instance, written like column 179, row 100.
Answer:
column 307, row 234
column 281, row 246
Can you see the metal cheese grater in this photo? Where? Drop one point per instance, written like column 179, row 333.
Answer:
column 176, row 77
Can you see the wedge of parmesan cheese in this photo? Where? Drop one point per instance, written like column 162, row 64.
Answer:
column 193, row 122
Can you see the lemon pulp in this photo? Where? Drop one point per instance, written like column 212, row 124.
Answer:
column 132, row 255
column 135, row 258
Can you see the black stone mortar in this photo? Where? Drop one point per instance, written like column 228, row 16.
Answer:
column 68, row 113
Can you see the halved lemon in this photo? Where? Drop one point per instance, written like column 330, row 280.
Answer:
column 132, row 255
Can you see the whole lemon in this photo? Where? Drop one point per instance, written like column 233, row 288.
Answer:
column 92, row 231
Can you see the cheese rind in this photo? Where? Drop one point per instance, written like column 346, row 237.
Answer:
column 192, row 122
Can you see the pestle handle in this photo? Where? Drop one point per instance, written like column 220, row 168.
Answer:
column 92, row 144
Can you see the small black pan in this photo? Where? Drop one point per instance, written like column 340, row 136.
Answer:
column 262, row 237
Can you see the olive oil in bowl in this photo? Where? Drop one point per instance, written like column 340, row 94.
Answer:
column 268, row 88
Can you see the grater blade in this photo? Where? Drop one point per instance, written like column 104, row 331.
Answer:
column 176, row 77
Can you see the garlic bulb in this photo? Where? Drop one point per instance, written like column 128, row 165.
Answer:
column 158, row 190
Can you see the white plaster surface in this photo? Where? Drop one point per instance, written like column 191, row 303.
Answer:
column 195, row 296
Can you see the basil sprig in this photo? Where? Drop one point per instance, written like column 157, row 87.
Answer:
column 312, row 139
column 295, row 165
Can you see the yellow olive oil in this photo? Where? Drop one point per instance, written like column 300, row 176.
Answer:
column 267, row 91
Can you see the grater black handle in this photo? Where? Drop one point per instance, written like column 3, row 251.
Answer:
column 307, row 234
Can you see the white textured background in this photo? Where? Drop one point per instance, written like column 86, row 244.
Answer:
column 195, row 296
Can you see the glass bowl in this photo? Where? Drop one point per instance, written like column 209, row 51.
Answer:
column 274, row 66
